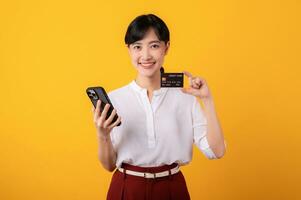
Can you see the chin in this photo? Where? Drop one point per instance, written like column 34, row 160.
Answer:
column 145, row 74
column 148, row 73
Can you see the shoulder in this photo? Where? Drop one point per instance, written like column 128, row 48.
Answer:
column 117, row 94
column 118, row 91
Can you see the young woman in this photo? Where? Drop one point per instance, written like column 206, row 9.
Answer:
column 159, row 125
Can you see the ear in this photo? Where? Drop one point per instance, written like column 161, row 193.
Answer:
column 167, row 47
column 128, row 47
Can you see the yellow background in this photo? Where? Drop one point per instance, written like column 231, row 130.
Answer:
column 50, row 51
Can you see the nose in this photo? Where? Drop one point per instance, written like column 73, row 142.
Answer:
column 146, row 55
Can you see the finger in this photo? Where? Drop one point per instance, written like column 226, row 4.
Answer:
column 115, row 123
column 189, row 75
column 183, row 90
column 200, row 80
column 186, row 90
column 109, row 120
column 195, row 84
column 96, row 112
column 105, row 111
column 190, row 91
column 196, row 81
column 98, row 104
column 93, row 111
column 99, row 122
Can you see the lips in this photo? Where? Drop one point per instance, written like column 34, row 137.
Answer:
column 147, row 64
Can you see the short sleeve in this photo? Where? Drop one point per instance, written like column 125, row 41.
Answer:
column 199, row 123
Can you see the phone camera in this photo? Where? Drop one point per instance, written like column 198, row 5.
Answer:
column 92, row 94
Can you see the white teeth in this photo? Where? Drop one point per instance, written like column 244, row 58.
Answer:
column 147, row 64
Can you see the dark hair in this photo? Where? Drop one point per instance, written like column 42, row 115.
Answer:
column 141, row 24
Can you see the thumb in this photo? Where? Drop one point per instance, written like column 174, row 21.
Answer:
column 189, row 91
column 185, row 90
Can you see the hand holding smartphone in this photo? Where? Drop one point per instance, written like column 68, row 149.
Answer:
column 105, row 114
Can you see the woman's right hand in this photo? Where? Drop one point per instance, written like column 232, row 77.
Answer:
column 102, row 124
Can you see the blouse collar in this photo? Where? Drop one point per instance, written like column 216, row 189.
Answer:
column 140, row 89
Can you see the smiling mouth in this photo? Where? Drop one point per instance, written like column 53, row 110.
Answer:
column 147, row 65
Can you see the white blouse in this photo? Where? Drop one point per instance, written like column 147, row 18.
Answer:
column 158, row 132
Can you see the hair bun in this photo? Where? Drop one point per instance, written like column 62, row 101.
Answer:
column 162, row 70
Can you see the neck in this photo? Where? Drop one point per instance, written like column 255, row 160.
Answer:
column 150, row 83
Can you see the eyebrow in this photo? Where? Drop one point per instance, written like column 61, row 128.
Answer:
column 151, row 42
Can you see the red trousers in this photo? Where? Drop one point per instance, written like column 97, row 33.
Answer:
column 129, row 187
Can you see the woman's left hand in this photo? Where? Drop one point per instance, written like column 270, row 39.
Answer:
column 197, row 86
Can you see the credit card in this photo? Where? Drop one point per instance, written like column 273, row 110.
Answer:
column 172, row 79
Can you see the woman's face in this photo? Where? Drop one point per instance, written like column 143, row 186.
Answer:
column 147, row 55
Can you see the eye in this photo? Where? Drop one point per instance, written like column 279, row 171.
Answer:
column 136, row 47
column 155, row 46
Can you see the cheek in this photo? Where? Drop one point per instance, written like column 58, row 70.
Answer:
column 160, row 55
column 134, row 57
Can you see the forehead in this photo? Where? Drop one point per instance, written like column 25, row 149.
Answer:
column 150, row 37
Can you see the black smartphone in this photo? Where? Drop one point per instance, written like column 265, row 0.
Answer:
column 99, row 93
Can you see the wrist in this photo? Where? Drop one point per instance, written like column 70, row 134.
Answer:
column 208, row 104
column 207, row 100
column 103, row 137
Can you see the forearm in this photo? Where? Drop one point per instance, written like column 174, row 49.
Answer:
column 106, row 153
column 214, row 132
